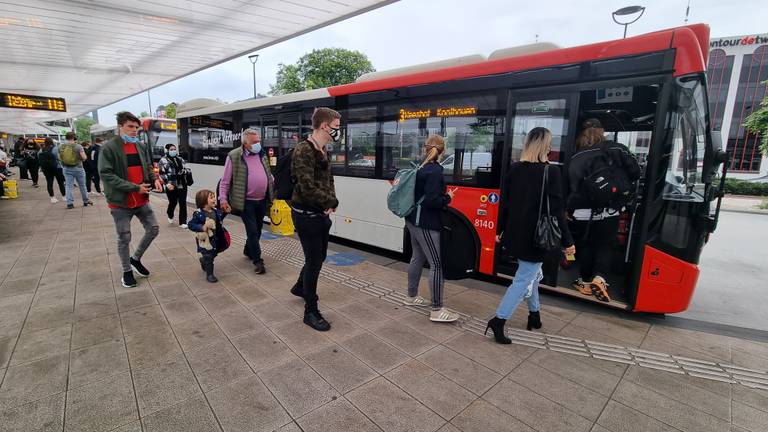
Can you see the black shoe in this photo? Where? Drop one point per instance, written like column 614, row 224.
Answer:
column 211, row 278
column 70, row 206
column 297, row 290
column 87, row 203
column 534, row 321
column 128, row 280
column 139, row 268
column 35, row 185
column 260, row 269
column 496, row 324
column 316, row 321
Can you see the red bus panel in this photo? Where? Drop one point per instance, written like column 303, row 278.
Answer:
column 666, row 283
column 481, row 208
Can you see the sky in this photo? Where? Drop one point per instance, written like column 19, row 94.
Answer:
column 412, row 32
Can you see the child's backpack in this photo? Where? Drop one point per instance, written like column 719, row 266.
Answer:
column 68, row 155
column 401, row 199
column 284, row 181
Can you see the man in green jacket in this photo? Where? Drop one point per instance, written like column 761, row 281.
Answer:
column 126, row 171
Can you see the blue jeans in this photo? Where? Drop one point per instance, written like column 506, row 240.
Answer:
column 528, row 275
column 70, row 176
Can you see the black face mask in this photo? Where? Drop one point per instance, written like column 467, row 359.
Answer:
column 335, row 134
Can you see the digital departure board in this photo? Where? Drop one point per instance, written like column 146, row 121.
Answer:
column 44, row 103
column 206, row 121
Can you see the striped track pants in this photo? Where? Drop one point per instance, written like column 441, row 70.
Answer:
column 426, row 248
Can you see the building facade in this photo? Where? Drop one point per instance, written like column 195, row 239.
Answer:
column 736, row 75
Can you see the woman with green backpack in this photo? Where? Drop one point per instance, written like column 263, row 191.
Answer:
column 424, row 228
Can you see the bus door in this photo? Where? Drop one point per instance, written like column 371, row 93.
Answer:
column 527, row 110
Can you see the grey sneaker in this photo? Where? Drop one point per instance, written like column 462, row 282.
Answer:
column 443, row 315
column 416, row 301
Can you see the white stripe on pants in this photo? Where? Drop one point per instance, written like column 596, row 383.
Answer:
column 426, row 248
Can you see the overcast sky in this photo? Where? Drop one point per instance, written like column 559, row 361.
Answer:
column 419, row 31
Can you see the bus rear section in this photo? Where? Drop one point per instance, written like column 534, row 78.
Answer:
column 156, row 133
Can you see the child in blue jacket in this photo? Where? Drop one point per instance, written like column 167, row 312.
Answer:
column 205, row 222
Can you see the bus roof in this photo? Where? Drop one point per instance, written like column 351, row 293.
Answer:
column 690, row 42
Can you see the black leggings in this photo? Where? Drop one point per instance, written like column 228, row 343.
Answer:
column 177, row 196
column 50, row 176
column 594, row 251
column 92, row 176
column 33, row 167
column 313, row 235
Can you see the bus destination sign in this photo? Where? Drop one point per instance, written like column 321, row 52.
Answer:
column 44, row 103
column 438, row 112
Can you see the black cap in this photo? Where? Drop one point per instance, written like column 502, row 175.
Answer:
column 167, row 146
column 592, row 123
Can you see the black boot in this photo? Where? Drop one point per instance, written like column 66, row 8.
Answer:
column 202, row 263
column 209, row 276
column 497, row 325
column 534, row 321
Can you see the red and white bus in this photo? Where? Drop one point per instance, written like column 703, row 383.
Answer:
column 649, row 92
column 157, row 133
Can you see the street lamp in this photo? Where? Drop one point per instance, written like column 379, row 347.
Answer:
column 626, row 11
column 253, row 58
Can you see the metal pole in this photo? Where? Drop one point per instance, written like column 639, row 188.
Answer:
column 254, row 80
column 625, row 30
column 150, row 103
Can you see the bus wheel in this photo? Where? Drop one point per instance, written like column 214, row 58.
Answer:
column 459, row 246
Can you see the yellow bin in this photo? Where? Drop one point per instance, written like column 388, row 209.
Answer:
column 10, row 190
column 280, row 215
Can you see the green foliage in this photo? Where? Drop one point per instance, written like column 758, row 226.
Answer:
column 170, row 110
column 83, row 128
column 757, row 122
column 741, row 187
column 144, row 114
column 321, row 68
column 763, row 205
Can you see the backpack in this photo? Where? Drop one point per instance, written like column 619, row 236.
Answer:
column 68, row 155
column 284, row 181
column 47, row 159
column 401, row 199
column 607, row 184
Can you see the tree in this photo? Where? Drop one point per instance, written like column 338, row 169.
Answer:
column 170, row 110
column 83, row 128
column 143, row 114
column 321, row 68
column 757, row 122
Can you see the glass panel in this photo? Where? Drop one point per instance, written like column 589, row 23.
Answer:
column 549, row 113
column 684, row 178
column 469, row 143
column 401, row 141
column 289, row 132
column 270, row 136
column 211, row 138
column 359, row 153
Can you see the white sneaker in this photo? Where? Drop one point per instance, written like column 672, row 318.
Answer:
column 183, row 226
column 416, row 301
column 443, row 315
column 170, row 221
column 54, row 200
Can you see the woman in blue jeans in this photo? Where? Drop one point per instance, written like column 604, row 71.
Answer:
column 521, row 207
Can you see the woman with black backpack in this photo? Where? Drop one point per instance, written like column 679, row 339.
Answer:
column 599, row 165
column 533, row 190
column 51, row 167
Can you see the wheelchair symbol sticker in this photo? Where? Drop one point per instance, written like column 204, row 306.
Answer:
column 493, row 197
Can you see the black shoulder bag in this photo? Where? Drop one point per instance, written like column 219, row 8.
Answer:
column 547, row 235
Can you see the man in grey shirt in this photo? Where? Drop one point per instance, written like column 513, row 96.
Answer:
column 71, row 155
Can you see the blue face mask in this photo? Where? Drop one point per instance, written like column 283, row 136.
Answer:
column 255, row 148
column 173, row 153
column 130, row 139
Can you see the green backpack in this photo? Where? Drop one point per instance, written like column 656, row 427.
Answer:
column 68, row 155
column 401, row 199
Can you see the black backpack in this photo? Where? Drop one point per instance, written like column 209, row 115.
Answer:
column 284, row 181
column 47, row 159
column 607, row 184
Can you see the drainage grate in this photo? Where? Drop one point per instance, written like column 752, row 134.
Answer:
column 288, row 250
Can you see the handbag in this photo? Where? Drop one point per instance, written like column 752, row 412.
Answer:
column 547, row 236
column 188, row 180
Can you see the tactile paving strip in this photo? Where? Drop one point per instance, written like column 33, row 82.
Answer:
column 288, row 250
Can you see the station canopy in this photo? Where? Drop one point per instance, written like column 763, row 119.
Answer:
column 95, row 53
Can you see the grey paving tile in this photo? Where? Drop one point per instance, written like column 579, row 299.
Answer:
column 290, row 427
column 618, row 417
column 147, row 319
column 6, row 346
column 339, row 368
column 96, row 330
column 298, row 388
column 163, row 384
column 338, row 415
column 97, row 362
column 58, row 295
column 192, row 415
column 404, row 338
column 499, row 358
column 449, row 428
column 32, row 381
column 467, row 373
column 218, row 303
column 392, row 409
column 40, row 318
column 262, row 350
column 300, row 337
column 217, row 365
column 247, row 405
column 95, row 307
column 135, row 298
column 597, row 428
column 170, row 291
column 438, row 331
column 749, row 418
column 363, row 315
column 437, row 392
column 147, row 348
column 681, row 389
column 271, row 312
column 527, row 406
column 103, row 405
column 573, row 396
column 483, row 417
column 237, row 321
column 755, row 398
column 18, row 286
column 44, row 415
column 669, row 411
column 184, row 310
column 197, row 333
column 711, row 345
column 42, row 343
column 579, row 370
column 342, row 327
column 374, row 352
column 130, row 427
column 250, row 295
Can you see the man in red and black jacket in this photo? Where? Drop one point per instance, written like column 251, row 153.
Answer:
column 126, row 170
